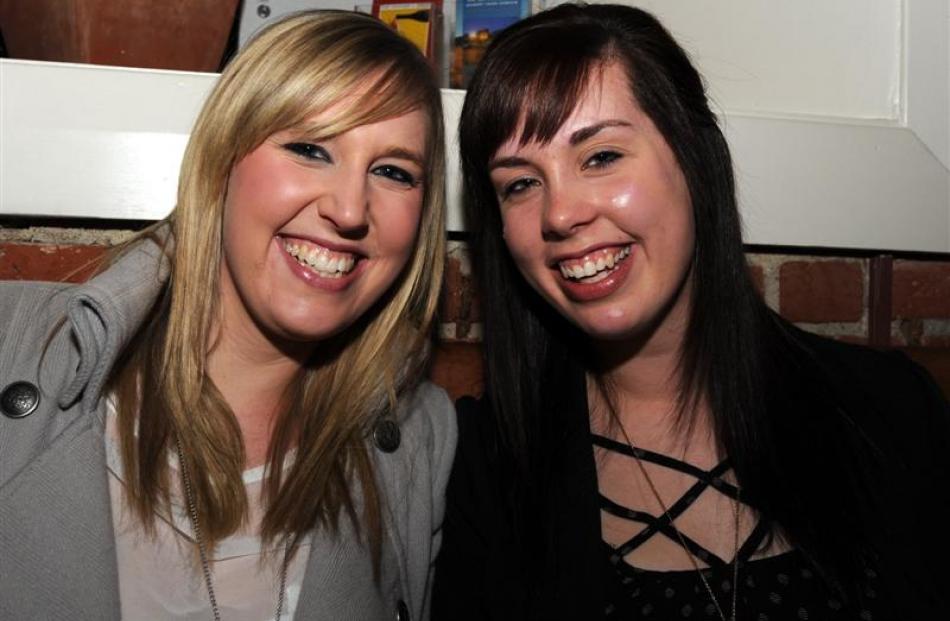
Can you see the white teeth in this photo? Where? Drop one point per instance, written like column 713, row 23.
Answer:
column 591, row 267
column 319, row 260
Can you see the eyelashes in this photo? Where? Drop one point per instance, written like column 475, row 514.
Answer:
column 397, row 174
column 518, row 186
column 309, row 151
column 601, row 159
column 598, row 161
column 316, row 153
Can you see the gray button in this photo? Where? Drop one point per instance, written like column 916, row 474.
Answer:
column 402, row 611
column 19, row 399
column 386, row 436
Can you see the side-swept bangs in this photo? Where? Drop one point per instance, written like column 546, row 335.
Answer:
column 298, row 67
column 536, row 80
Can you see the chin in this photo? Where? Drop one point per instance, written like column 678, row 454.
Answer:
column 612, row 329
column 611, row 334
column 302, row 331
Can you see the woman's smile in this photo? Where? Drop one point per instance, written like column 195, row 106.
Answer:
column 318, row 266
column 316, row 230
column 598, row 219
column 596, row 274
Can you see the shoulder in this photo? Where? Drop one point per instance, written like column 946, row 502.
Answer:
column 428, row 419
column 427, row 441
column 886, row 395
column 885, row 377
column 26, row 301
column 30, row 315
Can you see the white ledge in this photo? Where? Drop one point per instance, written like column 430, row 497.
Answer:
column 89, row 141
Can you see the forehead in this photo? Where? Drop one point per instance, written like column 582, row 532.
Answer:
column 374, row 99
column 410, row 128
column 607, row 95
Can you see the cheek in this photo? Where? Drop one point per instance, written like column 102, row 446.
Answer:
column 399, row 228
column 621, row 194
column 248, row 180
column 633, row 205
column 265, row 187
column 521, row 230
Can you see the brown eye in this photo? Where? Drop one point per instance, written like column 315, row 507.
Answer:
column 518, row 185
column 601, row 159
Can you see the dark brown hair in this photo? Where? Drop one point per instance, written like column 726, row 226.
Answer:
column 736, row 352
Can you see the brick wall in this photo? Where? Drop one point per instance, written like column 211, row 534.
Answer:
column 858, row 298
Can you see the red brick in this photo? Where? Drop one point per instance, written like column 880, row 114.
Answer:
column 921, row 289
column 459, row 303
column 58, row 263
column 821, row 291
column 452, row 291
column 457, row 367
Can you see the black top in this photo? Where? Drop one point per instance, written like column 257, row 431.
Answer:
column 488, row 569
column 776, row 588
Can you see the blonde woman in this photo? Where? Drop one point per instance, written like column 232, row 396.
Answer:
column 229, row 421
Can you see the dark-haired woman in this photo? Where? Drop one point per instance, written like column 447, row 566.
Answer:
column 654, row 442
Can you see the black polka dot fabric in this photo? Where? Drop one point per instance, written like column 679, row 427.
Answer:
column 779, row 588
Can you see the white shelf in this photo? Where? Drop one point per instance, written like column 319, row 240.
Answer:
column 105, row 142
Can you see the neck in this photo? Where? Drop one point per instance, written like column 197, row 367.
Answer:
column 643, row 375
column 252, row 375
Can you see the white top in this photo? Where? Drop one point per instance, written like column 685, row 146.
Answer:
column 160, row 577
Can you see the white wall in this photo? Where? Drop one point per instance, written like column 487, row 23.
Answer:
column 838, row 114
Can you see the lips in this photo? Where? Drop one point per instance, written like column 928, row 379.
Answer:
column 318, row 265
column 325, row 262
column 593, row 264
column 595, row 274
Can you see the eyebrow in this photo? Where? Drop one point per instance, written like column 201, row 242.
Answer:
column 302, row 132
column 404, row 154
column 576, row 138
column 585, row 133
column 507, row 162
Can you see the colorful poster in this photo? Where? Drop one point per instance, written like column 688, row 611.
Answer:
column 476, row 21
column 413, row 20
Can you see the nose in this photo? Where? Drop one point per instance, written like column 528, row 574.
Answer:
column 346, row 206
column 564, row 212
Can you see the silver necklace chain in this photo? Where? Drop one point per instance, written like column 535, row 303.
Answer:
column 682, row 541
column 203, row 552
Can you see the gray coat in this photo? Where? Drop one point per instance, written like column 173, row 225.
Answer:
column 57, row 547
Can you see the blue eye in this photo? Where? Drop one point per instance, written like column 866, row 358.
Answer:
column 395, row 173
column 518, row 186
column 602, row 158
column 308, row 150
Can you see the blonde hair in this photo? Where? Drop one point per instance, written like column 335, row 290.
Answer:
column 302, row 64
